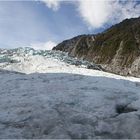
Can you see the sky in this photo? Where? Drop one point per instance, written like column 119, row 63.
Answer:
column 42, row 24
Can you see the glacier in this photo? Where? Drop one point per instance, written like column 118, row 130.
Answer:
column 48, row 95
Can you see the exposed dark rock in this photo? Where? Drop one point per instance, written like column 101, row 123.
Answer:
column 95, row 67
column 124, row 109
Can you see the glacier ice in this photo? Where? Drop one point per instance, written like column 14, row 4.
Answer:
column 42, row 96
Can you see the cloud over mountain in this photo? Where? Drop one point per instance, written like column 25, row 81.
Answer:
column 97, row 13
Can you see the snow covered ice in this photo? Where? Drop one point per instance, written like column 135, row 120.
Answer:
column 43, row 96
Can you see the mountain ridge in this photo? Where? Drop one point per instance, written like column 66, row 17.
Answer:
column 117, row 49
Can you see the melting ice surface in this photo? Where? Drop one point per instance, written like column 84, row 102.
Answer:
column 46, row 94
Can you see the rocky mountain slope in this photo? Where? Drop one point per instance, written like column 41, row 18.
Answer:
column 117, row 49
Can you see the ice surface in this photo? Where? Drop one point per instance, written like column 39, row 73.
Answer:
column 53, row 99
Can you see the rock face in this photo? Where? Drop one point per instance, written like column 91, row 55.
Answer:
column 117, row 49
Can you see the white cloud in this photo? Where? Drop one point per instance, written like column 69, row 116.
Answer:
column 54, row 4
column 97, row 13
column 94, row 12
column 43, row 46
column 124, row 10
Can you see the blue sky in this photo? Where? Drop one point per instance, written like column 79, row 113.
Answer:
column 42, row 24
